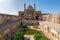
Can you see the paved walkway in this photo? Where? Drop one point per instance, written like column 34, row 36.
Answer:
column 31, row 37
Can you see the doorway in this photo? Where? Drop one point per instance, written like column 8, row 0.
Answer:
column 37, row 17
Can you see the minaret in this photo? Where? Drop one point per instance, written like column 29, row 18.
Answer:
column 34, row 6
column 34, row 11
column 24, row 6
column 24, row 10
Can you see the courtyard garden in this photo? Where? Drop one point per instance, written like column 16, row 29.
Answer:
column 38, row 35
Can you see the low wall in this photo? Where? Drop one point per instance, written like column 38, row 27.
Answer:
column 9, row 30
column 47, row 30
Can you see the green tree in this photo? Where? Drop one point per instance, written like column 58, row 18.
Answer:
column 18, row 36
column 24, row 25
column 38, row 35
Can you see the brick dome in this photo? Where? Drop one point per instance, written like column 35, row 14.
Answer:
column 29, row 7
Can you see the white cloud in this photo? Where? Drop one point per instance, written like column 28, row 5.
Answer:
column 4, row 1
column 6, row 6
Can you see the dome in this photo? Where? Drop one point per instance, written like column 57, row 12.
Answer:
column 30, row 7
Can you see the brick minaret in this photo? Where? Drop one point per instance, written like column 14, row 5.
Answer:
column 34, row 11
column 24, row 10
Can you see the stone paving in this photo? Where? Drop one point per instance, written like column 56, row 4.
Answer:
column 31, row 37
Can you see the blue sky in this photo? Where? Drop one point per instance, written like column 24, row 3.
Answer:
column 13, row 6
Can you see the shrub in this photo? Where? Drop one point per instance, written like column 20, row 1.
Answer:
column 35, row 25
column 24, row 25
column 38, row 35
column 18, row 36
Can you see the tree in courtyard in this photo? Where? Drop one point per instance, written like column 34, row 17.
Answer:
column 24, row 25
column 38, row 35
column 18, row 36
